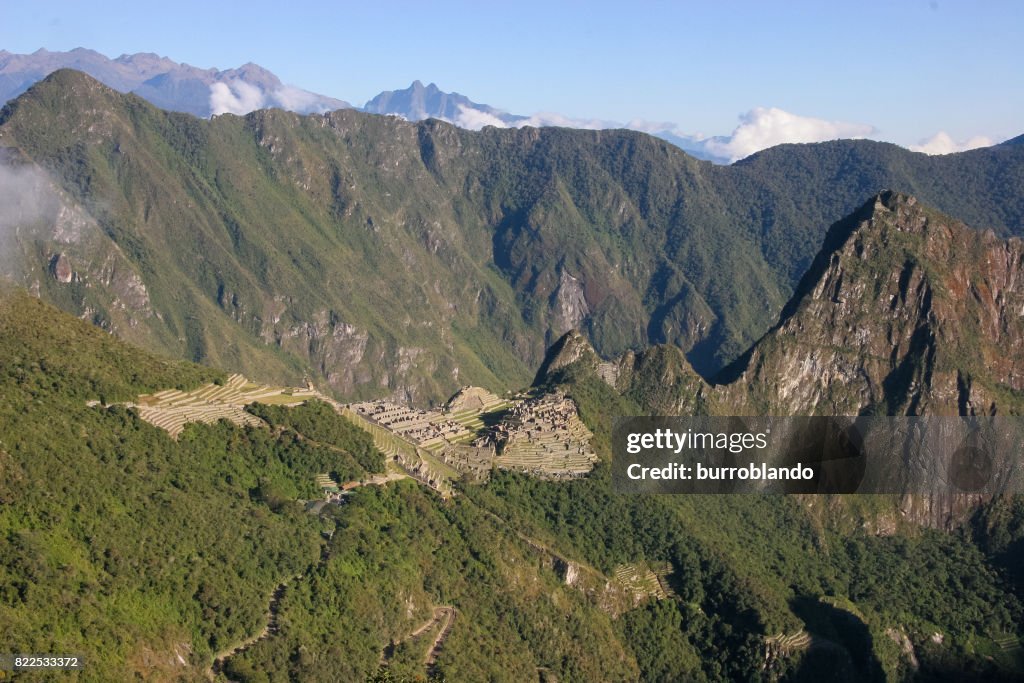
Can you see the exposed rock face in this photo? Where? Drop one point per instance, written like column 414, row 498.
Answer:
column 336, row 348
column 572, row 574
column 60, row 268
column 904, row 311
column 568, row 304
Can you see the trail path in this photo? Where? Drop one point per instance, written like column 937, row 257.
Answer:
column 443, row 615
column 269, row 629
column 448, row 614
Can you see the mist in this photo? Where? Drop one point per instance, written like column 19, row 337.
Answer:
column 29, row 208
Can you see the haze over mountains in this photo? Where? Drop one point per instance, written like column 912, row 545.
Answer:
column 167, row 84
column 206, row 92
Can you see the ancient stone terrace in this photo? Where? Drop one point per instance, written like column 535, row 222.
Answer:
column 643, row 581
column 474, row 461
column 418, row 462
column 434, row 429
column 430, row 429
column 545, row 437
column 171, row 409
column 476, row 400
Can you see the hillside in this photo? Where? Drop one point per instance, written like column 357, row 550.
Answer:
column 138, row 552
column 409, row 259
column 904, row 311
column 149, row 556
column 537, row 578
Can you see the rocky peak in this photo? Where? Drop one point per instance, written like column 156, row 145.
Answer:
column 903, row 311
column 568, row 349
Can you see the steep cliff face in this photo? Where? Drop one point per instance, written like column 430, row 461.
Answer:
column 904, row 311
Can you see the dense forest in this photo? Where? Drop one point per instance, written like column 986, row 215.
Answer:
column 154, row 556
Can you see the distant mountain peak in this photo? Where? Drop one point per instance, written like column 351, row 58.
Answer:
column 419, row 102
column 166, row 83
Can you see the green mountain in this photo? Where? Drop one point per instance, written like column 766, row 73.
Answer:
column 518, row 578
column 183, row 559
column 904, row 311
column 382, row 257
column 149, row 556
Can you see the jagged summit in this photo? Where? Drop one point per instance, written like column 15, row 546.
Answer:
column 837, row 237
column 904, row 310
column 567, row 349
column 419, row 102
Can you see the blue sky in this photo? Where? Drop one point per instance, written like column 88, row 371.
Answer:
column 909, row 69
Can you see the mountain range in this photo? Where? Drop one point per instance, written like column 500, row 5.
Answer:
column 209, row 92
column 562, row 580
column 270, row 240
column 903, row 311
column 166, row 83
column 373, row 256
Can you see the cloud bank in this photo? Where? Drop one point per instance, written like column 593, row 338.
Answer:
column 759, row 129
column 240, row 98
column 943, row 143
column 765, row 127
column 475, row 119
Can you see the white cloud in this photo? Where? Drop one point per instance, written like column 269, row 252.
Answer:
column 28, row 204
column 239, row 97
column 475, row 119
column 763, row 127
column 236, row 97
column 943, row 143
column 759, row 129
column 654, row 127
column 290, row 98
column 545, row 118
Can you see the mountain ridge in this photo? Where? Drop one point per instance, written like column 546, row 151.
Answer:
column 737, row 577
column 508, row 237
column 167, row 84
column 206, row 92
column 904, row 311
